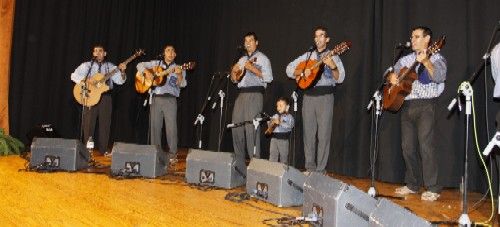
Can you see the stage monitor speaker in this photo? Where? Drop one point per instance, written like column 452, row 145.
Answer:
column 217, row 169
column 58, row 154
column 388, row 213
column 336, row 203
column 134, row 160
column 275, row 183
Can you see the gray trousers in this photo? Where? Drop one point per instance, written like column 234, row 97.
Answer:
column 246, row 107
column 417, row 133
column 164, row 108
column 102, row 113
column 278, row 150
column 317, row 118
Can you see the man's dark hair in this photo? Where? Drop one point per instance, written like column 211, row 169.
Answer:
column 251, row 34
column 168, row 45
column 284, row 99
column 322, row 28
column 425, row 30
column 98, row 45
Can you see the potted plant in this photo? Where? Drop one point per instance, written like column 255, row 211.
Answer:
column 9, row 145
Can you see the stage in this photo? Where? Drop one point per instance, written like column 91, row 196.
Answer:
column 93, row 198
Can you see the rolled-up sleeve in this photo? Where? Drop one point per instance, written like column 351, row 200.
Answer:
column 267, row 72
column 290, row 68
column 80, row 72
column 341, row 69
column 440, row 68
column 117, row 76
column 144, row 65
column 495, row 69
column 184, row 81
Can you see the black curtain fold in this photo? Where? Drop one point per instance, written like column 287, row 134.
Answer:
column 52, row 37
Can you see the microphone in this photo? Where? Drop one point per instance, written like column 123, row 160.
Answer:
column 260, row 119
column 495, row 141
column 387, row 71
column 294, row 97
column 239, row 47
column 160, row 55
column 232, row 125
column 265, row 114
column 452, row 104
column 403, row 45
column 311, row 48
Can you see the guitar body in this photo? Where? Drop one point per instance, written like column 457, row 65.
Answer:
column 307, row 81
column 237, row 73
column 394, row 95
column 270, row 129
column 96, row 85
column 143, row 84
column 316, row 66
column 92, row 95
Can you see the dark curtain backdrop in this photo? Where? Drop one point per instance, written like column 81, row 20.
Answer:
column 52, row 37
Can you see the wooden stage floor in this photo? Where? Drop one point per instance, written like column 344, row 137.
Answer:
column 91, row 199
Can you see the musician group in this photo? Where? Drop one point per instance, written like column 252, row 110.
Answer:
column 317, row 71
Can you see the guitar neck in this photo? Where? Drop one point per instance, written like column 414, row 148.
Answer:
column 412, row 68
column 167, row 71
column 109, row 74
column 329, row 54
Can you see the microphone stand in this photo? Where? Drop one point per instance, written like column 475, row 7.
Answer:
column 85, row 93
column 376, row 113
column 293, row 143
column 221, row 96
column 200, row 118
column 376, row 116
column 467, row 91
column 256, row 123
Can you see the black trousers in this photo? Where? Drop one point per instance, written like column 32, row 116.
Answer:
column 419, row 150
column 102, row 113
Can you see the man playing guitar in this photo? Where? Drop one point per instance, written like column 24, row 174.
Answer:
column 317, row 107
column 103, row 109
column 418, row 115
column 249, row 103
column 164, row 102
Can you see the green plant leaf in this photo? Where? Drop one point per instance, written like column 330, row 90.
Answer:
column 4, row 148
column 9, row 144
column 16, row 142
column 14, row 149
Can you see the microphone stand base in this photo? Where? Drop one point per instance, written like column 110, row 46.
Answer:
column 372, row 192
column 464, row 220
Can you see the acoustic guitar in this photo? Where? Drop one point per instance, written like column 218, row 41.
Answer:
column 271, row 128
column 237, row 73
column 156, row 76
column 305, row 82
column 88, row 94
column 394, row 94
